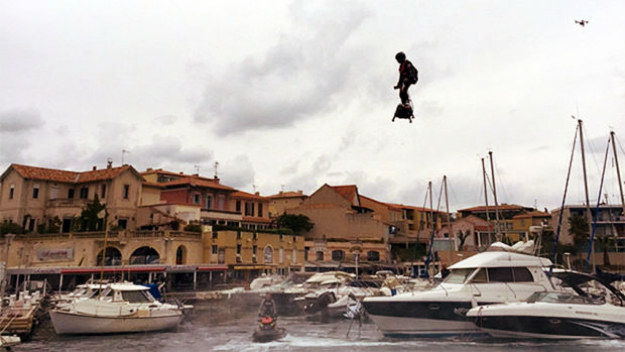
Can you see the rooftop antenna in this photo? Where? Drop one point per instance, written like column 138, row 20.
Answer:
column 124, row 151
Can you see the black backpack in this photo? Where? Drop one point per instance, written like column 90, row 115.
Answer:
column 413, row 74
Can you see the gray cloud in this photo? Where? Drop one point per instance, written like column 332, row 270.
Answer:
column 17, row 121
column 14, row 127
column 238, row 173
column 306, row 64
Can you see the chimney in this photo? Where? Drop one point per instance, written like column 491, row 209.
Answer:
column 94, row 168
column 216, row 179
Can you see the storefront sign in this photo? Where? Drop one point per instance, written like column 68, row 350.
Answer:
column 55, row 254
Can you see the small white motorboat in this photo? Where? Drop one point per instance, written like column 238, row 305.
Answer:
column 119, row 308
column 592, row 308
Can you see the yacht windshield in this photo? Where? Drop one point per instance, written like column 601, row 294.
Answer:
column 136, row 296
column 562, row 297
column 459, row 276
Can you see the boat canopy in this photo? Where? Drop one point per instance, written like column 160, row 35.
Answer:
column 501, row 259
column 128, row 286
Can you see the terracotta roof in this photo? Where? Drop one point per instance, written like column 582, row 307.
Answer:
column 46, row 174
column 196, row 181
column 241, row 194
column 502, row 207
column 349, row 192
column 421, row 209
column 297, row 194
column 532, row 214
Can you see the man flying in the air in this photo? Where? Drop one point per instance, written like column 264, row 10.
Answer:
column 408, row 75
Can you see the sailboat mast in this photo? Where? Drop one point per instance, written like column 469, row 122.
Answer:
column 447, row 202
column 492, row 170
column 618, row 171
column 588, row 213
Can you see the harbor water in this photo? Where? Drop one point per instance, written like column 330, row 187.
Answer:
column 226, row 325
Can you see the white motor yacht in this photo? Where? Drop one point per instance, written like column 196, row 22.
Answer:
column 485, row 278
column 572, row 314
column 119, row 308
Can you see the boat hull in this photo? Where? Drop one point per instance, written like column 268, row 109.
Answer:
column 75, row 323
column 549, row 327
column 421, row 319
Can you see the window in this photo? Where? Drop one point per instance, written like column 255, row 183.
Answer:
column 238, row 235
column 214, row 249
column 294, row 256
column 500, row 275
column 319, row 256
column 209, row 202
column 35, row 191
column 373, row 256
column 126, row 191
column 221, row 200
column 481, row 277
column 238, row 206
column 122, row 223
column 459, row 276
column 103, row 190
column 11, row 192
column 215, row 234
column 338, row 255
column 249, row 209
column 70, row 193
column 522, row 274
column 281, row 255
column 268, row 254
column 238, row 249
column 84, row 193
column 260, row 210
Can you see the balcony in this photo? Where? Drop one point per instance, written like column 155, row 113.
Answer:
column 67, row 203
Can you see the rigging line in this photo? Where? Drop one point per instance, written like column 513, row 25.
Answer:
column 596, row 214
column 591, row 148
column 566, row 187
column 618, row 142
column 501, row 183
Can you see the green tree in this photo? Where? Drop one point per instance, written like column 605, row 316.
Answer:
column 89, row 219
column 10, row 227
column 578, row 227
column 297, row 223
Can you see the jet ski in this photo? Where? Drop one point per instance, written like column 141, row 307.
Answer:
column 267, row 330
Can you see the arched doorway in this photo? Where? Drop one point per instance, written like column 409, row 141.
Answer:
column 112, row 257
column 144, row 255
column 181, row 255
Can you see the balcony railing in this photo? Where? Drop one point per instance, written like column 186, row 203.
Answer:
column 67, row 202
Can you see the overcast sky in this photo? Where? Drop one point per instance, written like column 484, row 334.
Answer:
column 294, row 94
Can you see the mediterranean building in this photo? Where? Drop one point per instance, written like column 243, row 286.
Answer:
column 186, row 198
column 281, row 202
column 345, row 232
column 610, row 223
column 49, row 200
